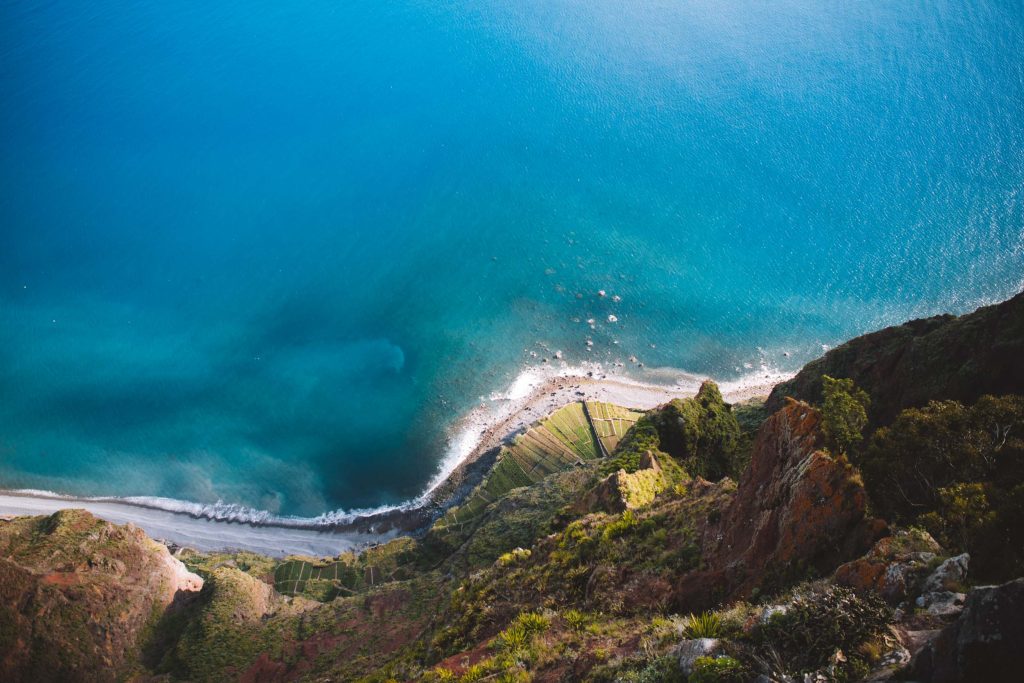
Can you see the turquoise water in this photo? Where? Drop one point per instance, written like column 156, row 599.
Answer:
column 268, row 253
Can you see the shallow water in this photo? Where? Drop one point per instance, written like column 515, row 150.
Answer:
column 269, row 255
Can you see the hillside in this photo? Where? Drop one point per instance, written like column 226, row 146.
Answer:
column 865, row 523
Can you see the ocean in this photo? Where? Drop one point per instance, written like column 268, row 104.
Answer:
column 269, row 254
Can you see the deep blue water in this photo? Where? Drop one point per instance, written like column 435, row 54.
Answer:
column 268, row 252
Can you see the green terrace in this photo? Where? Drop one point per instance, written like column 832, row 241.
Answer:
column 572, row 435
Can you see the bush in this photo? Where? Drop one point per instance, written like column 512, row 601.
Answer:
column 819, row 622
column 641, row 437
column 956, row 470
column 639, row 669
column 575, row 620
column 719, row 670
column 844, row 413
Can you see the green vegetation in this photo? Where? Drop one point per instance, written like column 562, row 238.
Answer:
column 722, row 669
column 223, row 633
column 704, row 625
column 563, row 564
column 563, row 441
column 258, row 566
column 844, row 413
column 611, row 422
column 819, row 620
column 701, row 434
column 516, row 520
column 959, row 472
column 350, row 573
column 750, row 415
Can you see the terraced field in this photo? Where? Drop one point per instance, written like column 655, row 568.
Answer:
column 611, row 422
column 296, row 576
column 349, row 573
column 560, row 441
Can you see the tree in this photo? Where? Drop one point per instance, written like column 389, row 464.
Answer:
column 844, row 412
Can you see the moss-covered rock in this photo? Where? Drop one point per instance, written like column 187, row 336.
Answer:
column 700, row 433
column 624, row 490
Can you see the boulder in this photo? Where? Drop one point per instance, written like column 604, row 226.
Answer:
column 939, row 594
column 689, row 651
column 949, row 575
column 983, row 644
column 942, row 603
column 893, row 567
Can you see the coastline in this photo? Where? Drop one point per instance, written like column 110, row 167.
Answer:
column 474, row 443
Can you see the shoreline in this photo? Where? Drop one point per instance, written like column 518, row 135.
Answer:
column 474, row 443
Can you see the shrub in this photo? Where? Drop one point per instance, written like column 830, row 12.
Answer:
column 575, row 620
column 475, row 673
column 820, row 621
column 638, row 669
column 844, row 413
column 704, row 625
column 512, row 557
column 719, row 670
column 532, row 622
column 513, row 639
column 956, row 470
column 700, row 432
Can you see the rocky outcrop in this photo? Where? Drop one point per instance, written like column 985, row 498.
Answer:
column 944, row 357
column 76, row 592
column 623, row 490
column 893, row 568
column 797, row 508
column 983, row 644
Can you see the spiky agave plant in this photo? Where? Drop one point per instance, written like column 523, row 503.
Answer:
column 703, row 625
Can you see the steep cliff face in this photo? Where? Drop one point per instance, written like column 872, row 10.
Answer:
column 944, row 357
column 797, row 509
column 75, row 594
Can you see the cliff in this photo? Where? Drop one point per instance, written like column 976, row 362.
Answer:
column 698, row 541
column 944, row 357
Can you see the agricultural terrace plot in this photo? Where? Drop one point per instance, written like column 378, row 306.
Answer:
column 571, row 426
column 611, row 422
column 291, row 576
column 554, row 444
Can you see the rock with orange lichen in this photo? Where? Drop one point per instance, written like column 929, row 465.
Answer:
column 893, row 568
column 76, row 595
column 797, row 510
